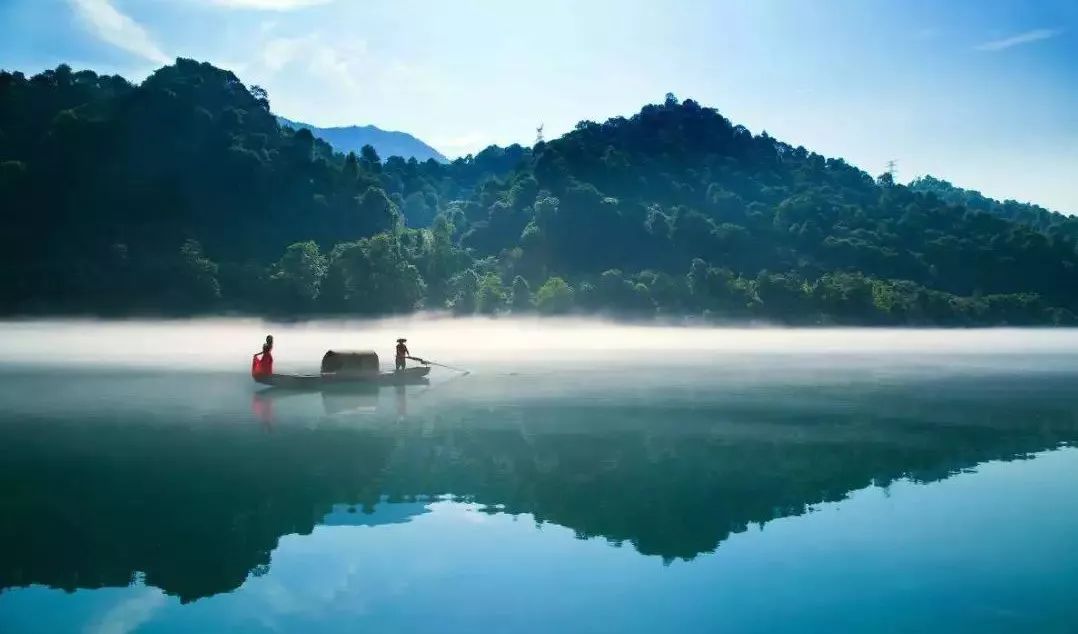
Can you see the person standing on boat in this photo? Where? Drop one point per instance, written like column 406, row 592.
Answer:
column 402, row 354
column 262, row 364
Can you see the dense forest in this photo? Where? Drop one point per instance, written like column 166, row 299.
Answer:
column 1050, row 222
column 184, row 194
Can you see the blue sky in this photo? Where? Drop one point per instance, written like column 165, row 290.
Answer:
column 981, row 92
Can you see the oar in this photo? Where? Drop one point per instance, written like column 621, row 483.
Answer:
column 440, row 365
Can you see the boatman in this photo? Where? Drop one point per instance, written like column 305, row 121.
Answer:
column 402, row 353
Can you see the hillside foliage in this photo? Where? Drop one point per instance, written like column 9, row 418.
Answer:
column 184, row 194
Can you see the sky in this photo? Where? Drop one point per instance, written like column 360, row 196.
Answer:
column 983, row 93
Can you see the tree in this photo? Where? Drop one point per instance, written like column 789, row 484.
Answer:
column 846, row 296
column 394, row 282
column 197, row 277
column 491, row 296
column 782, row 296
column 417, row 213
column 520, row 297
column 613, row 291
column 370, row 159
column 718, row 290
column 440, row 259
column 376, row 213
column 465, row 288
column 554, row 297
column 351, row 167
column 373, row 277
column 298, row 276
column 261, row 96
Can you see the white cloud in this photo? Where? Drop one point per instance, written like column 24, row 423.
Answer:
column 308, row 51
column 281, row 51
column 340, row 65
column 270, row 5
column 130, row 613
column 108, row 24
column 1035, row 35
column 319, row 79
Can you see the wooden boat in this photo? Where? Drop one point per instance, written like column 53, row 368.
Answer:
column 346, row 371
column 409, row 376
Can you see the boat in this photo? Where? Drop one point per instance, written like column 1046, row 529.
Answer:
column 346, row 370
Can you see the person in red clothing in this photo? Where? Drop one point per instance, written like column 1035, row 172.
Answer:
column 262, row 363
column 402, row 353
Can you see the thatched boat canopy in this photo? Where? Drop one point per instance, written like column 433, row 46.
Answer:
column 351, row 362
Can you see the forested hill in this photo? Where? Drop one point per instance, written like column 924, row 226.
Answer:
column 1051, row 222
column 386, row 142
column 184, row 194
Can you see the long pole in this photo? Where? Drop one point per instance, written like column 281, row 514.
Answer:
column 440, row 365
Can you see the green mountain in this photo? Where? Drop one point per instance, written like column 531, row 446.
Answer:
column 386, row 142
column 1050, row 222
column 184, row 194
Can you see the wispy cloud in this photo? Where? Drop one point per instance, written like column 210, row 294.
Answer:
column 349, row 65
column 118, row 29
column 341, row 64
column 327, row 80
column 130, row 613
column 279, row 52
column 270, row 5
column 1036, row 35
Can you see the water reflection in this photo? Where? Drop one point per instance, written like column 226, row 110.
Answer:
column 189, row 482
column 334, row 403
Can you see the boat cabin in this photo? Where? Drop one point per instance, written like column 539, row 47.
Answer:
column 358, row 363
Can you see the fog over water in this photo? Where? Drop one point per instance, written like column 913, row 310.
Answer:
column 502, row 344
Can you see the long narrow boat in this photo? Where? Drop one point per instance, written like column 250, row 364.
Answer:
column 346, row 371
column 409, row 376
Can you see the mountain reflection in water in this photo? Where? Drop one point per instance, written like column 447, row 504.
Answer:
column 188, row 481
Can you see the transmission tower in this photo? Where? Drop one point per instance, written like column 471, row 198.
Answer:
column 891, row 168
column 539, row 134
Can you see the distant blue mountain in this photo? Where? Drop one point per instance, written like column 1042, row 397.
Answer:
column 385, row 142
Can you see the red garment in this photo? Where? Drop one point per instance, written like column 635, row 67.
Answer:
column 262, row 364
column 402, row 350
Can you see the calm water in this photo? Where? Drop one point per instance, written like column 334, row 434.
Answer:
column 582, row 478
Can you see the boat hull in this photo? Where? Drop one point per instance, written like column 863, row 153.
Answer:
column 314, row 382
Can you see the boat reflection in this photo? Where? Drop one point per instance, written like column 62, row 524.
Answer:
column 365, row 401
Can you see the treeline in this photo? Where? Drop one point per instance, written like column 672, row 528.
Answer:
column 387, row 273
column 184, row 195
column 1050, row 222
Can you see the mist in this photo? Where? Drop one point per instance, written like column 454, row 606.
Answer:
column 502, row 344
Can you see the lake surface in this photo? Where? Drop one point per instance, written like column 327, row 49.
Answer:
column 582, row 478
